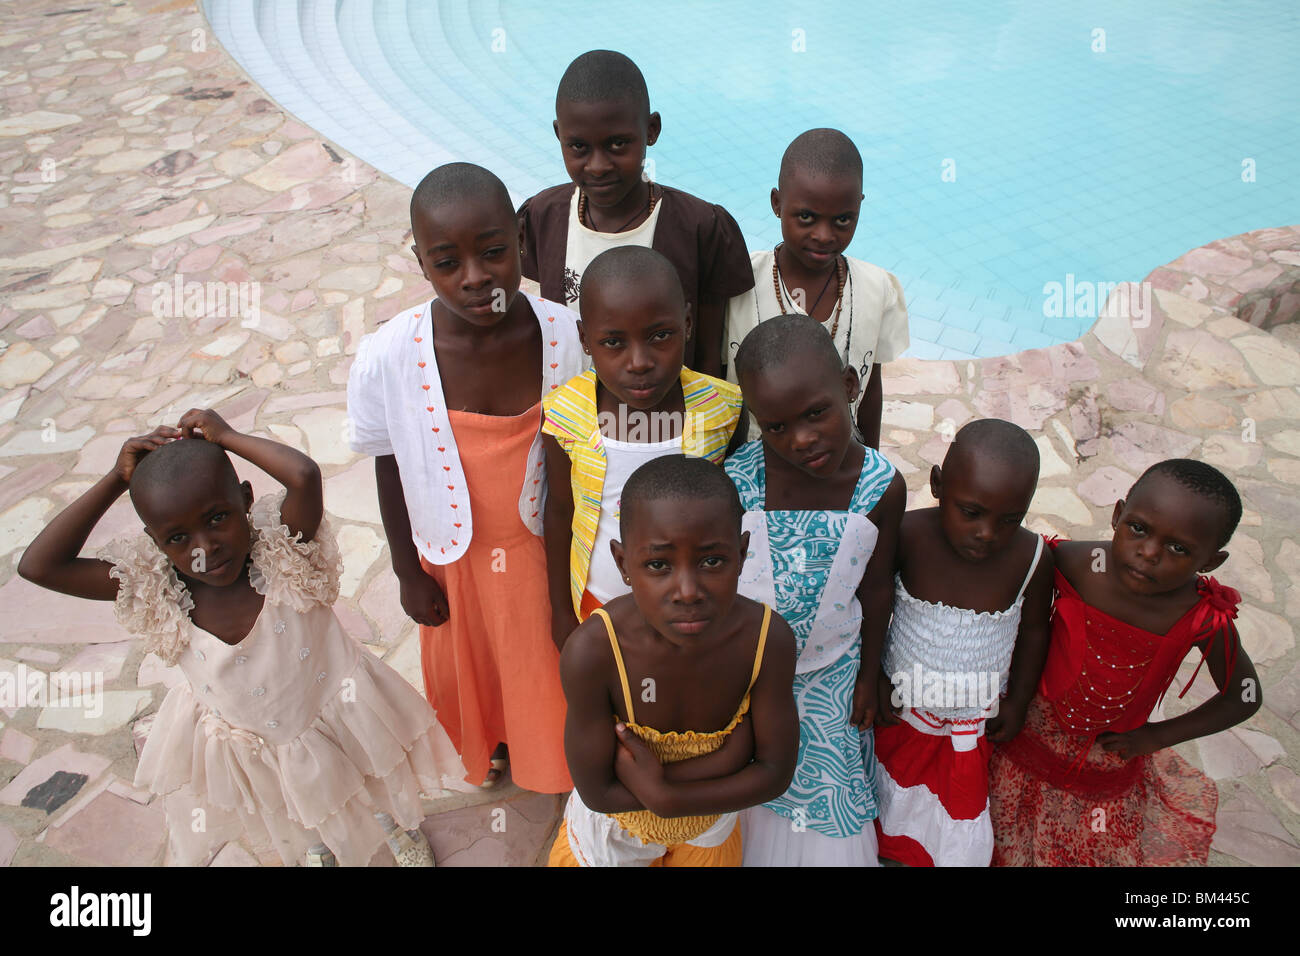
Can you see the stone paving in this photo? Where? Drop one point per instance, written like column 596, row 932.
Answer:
column 136, row 159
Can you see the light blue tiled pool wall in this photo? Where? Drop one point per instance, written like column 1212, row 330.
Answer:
column 1067, row 151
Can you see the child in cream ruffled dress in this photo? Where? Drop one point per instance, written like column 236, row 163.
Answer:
column 285, row 730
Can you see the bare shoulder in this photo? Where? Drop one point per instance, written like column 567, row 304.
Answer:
column 1072, row 555
column 919, row 522
column 779, row 648
column 586, row 653
column 918, row 531
column 892, row 503
column 1046, row 560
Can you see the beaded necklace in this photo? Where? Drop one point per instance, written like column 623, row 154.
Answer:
column 582, row 211
column 841, row 274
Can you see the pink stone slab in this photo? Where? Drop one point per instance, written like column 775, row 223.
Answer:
column 27, row 481
column 285, row 403
column 106, row 659
column 1209, row 261
column 954, row 410
column 466, row 837
column 66, row 758
column 1247, row 830
column 232, row 854
column 1136, row 395
column 933, row 451
column 1105, row 486
column 16, row 745
column 1139, row 445
column 37, row 655
column 225, row 230
column 37, row 616
column 200, row 260
column 124, row 789
column 113, row 831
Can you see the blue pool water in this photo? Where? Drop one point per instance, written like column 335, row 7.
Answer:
column 1006, row 144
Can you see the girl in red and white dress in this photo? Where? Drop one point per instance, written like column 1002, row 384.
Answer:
column 1090, row 780
column 972, row 588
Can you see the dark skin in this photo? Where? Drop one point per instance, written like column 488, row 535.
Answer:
column 636, row 339
column 972, row 552
column 813, row 463
column 489, row 353
column 1164, row 536
column 204, row 514
column 604, row 146
column 819, row 216
column 684, row 629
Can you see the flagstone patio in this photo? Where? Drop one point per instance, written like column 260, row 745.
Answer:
column 133, row 151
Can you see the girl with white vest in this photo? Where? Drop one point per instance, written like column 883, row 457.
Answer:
column 447, row 397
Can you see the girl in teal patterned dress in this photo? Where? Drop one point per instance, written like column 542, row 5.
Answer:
column 823, row 514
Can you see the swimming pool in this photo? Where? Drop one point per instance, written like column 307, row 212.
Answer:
column 1006, row 146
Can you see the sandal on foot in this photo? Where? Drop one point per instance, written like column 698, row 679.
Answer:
column 411, row 848
column 321, row 855
column 495, row 772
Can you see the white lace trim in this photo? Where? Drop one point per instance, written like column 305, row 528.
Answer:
column 154, row 603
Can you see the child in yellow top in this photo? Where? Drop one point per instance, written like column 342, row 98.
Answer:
column 636, row 403
column 700, row 656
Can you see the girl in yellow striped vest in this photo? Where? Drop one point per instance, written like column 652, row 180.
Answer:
column 636, row 403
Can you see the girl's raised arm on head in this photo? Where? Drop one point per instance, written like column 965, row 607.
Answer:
column 304, row 504
column 52, row 559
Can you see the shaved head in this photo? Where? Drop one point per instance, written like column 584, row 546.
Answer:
column 601, row 76
column 174, row 464
column 457, row 183
column 787, row 338
column 677, row 478
column 626, row 266
column 822, row 153
column 994, row 440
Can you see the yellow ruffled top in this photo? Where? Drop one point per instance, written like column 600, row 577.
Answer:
column 673, row 746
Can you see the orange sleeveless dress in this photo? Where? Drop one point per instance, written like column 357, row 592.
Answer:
column 492, row 671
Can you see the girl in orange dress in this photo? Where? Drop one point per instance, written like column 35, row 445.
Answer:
column 447, row 396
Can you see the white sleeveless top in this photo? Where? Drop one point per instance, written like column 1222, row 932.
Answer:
column 621, row 459
column 970, row 651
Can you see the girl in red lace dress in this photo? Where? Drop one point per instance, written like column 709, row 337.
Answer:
column 1090, row 781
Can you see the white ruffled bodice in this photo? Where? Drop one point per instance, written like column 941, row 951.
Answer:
column 939, row 641
column 152, row 601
